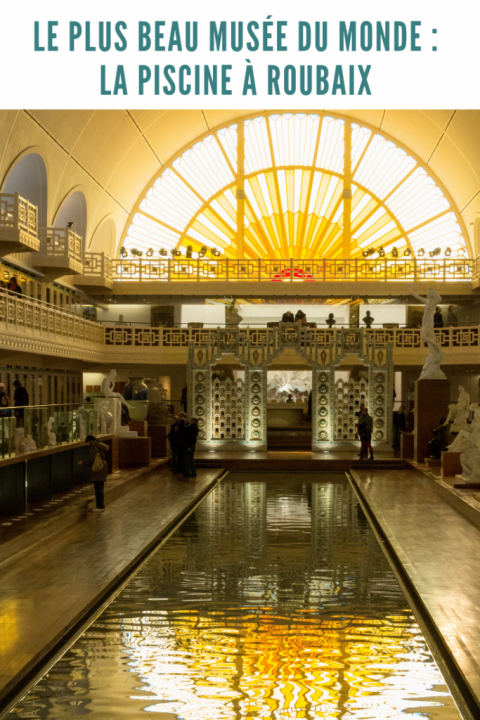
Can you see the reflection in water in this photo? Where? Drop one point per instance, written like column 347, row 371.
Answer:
column 273, row 600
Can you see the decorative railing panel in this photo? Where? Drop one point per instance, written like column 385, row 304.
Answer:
column 300, row 271
column 61, row 242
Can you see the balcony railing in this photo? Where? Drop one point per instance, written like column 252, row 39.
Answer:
column 324, row 270
column 98, row 265
column 61, row 242
column 49, row 321
column 18, row 224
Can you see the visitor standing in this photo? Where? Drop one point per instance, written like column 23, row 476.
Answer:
column 182, row 442
column 438, row 318
column 21, row 400
column 184, row 398
column 173, row 440
column 4, row 403
column 2, row 391
column 301, row 318
column 191, row 434
column 399, row 426
column 96, row 460
column 365, row 427
column 451, row 317
column 13, row 286
column 287, row 317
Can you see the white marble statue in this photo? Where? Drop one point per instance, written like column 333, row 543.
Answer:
column 431, row 370
column 106, row 417
column 458, row 412
column 79, row 412
column 115, row 402
column 470, row 436
column 52, row 438
column 32, row 445
column 21, row 445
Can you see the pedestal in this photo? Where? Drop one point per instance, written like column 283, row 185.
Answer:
column 431, row 403
column 451, row 464
column 407, row 446
column 139, row 426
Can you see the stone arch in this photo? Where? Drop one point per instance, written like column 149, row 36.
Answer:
column 28, row 176
column 104, row 237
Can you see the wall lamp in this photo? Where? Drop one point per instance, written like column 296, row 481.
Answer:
column 215, row 252
column 394, row 252
column 188, row 254
column 448, row 252
column 367, row 253
column 70, row 224
column 202, row 251
column 381, row 252
column 421, row 252
column 123, row 252
column 136, row 253
column 162, row 252
column 435, row 252
column 175, row 252
column 407, row 252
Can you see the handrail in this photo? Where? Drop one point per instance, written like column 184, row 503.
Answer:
column 11, row 296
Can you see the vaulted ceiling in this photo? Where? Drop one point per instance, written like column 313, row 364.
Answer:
column 112, row 156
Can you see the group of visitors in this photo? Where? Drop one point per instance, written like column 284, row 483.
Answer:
column 438, row 317
column 183, row 440
column 12, row 287
column 21, row 400
column 299, row 317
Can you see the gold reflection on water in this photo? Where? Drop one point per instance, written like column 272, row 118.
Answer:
column 266, row 666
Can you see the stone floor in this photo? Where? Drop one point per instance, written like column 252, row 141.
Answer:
column 47, row 588
column 439, row 549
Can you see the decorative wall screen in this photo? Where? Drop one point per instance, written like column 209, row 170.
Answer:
column 243, row 419
column 228, row 409
column 348, row 396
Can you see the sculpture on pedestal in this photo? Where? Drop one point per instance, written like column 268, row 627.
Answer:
column 157, row 398
column 458, row 412
column 115, row 402
column 468, row 438
column 21, row 445
column 431, row 370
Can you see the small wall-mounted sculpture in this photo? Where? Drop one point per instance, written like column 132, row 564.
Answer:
column 458, row 412
column 431, row 370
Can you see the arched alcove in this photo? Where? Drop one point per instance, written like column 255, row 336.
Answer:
column 74, row 209
column 28, row 177
column 105, row 237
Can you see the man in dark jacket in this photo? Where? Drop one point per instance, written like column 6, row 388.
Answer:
column 365, row 427
column 182, row 442
column 288, row 317
column 191, row 434
column 97, row 476
column 20, row 400
column 173, row 440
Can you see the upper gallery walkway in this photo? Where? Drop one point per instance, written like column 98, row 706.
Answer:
column 211, row 277
column 30, row 325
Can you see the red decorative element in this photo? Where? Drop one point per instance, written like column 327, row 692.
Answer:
column 298, row 274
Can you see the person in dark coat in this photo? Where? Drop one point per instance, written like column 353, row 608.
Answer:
column 4, row 403
column 438, row 318
column 98, row 478
column 191, row 433
column 439, row 442
column 288, row 317
column 399, row 426
column 182, row 442
column 173, row 440
column 365, row 428
column 20, row 400
column 184, row 398
column 13, row 286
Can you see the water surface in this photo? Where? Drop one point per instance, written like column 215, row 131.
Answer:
column 273, row 600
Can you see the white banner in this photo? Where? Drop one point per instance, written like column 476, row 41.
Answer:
column 92, row 54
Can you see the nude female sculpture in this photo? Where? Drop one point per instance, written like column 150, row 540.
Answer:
column 431, row 370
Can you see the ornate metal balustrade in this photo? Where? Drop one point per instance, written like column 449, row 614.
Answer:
column 323, row 270
column 97, row 271
column 18, row 224
column 256, row 357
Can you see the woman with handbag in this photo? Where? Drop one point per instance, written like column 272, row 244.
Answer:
column 97, row 461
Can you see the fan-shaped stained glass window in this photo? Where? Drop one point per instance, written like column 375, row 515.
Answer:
column 310, row 186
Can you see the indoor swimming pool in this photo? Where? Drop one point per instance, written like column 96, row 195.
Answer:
column 272, row 600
